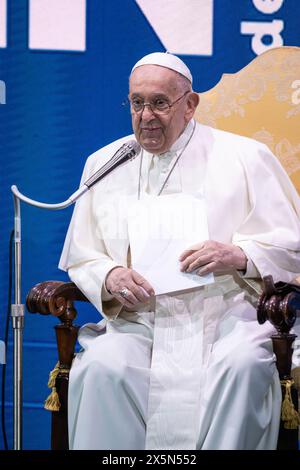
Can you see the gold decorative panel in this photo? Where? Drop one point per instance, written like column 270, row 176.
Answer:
column 261, row 101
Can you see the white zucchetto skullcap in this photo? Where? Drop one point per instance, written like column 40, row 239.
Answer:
column 164, row 59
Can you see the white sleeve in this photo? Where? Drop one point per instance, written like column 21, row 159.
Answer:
column 270, row 235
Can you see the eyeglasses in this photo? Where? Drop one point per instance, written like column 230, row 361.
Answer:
column 157, row 106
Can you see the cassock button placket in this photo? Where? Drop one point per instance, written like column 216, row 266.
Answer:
column 169, row 172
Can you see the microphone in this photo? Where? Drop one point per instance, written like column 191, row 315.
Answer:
column 128, row 151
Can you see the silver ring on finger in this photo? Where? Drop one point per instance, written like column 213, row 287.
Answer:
column 123, row 292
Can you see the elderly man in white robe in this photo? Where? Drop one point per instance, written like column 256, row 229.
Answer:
column 187, row 369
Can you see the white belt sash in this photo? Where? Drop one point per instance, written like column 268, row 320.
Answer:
column 160, row 228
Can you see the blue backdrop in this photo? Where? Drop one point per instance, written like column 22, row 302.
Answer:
column 60, row 102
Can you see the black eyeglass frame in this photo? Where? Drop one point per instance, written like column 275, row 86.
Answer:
column 151, row 105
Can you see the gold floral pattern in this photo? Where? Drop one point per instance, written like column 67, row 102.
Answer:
column 257, row 102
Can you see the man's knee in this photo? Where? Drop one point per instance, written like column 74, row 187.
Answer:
column 105, row 372
column 251, row 362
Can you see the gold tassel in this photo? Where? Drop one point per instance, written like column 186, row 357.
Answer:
column 52, row 403
column 52, row 376
column 289, row 415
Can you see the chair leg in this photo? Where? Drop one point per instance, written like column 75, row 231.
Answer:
column 59, row 427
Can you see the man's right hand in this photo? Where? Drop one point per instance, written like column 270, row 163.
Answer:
column 128, row 286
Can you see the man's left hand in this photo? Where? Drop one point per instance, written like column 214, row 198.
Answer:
column 212, row 257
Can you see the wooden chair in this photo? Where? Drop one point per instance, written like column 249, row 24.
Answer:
column 261, row 101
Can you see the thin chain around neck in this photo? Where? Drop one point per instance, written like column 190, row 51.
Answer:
column 171, row 170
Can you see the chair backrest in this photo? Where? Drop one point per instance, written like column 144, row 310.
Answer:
column 261, row 101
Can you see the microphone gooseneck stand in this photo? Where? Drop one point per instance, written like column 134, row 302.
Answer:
column 128, row 151
column 17, row 309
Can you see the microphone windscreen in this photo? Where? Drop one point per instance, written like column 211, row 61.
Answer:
column 134, row 146
column 128, row 151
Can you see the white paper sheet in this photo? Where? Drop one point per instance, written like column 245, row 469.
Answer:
column 160, row 229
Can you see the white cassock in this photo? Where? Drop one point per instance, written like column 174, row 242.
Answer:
column 190, row 370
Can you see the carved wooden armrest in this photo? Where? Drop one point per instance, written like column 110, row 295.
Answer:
column 280, row 304
column 56, row 298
